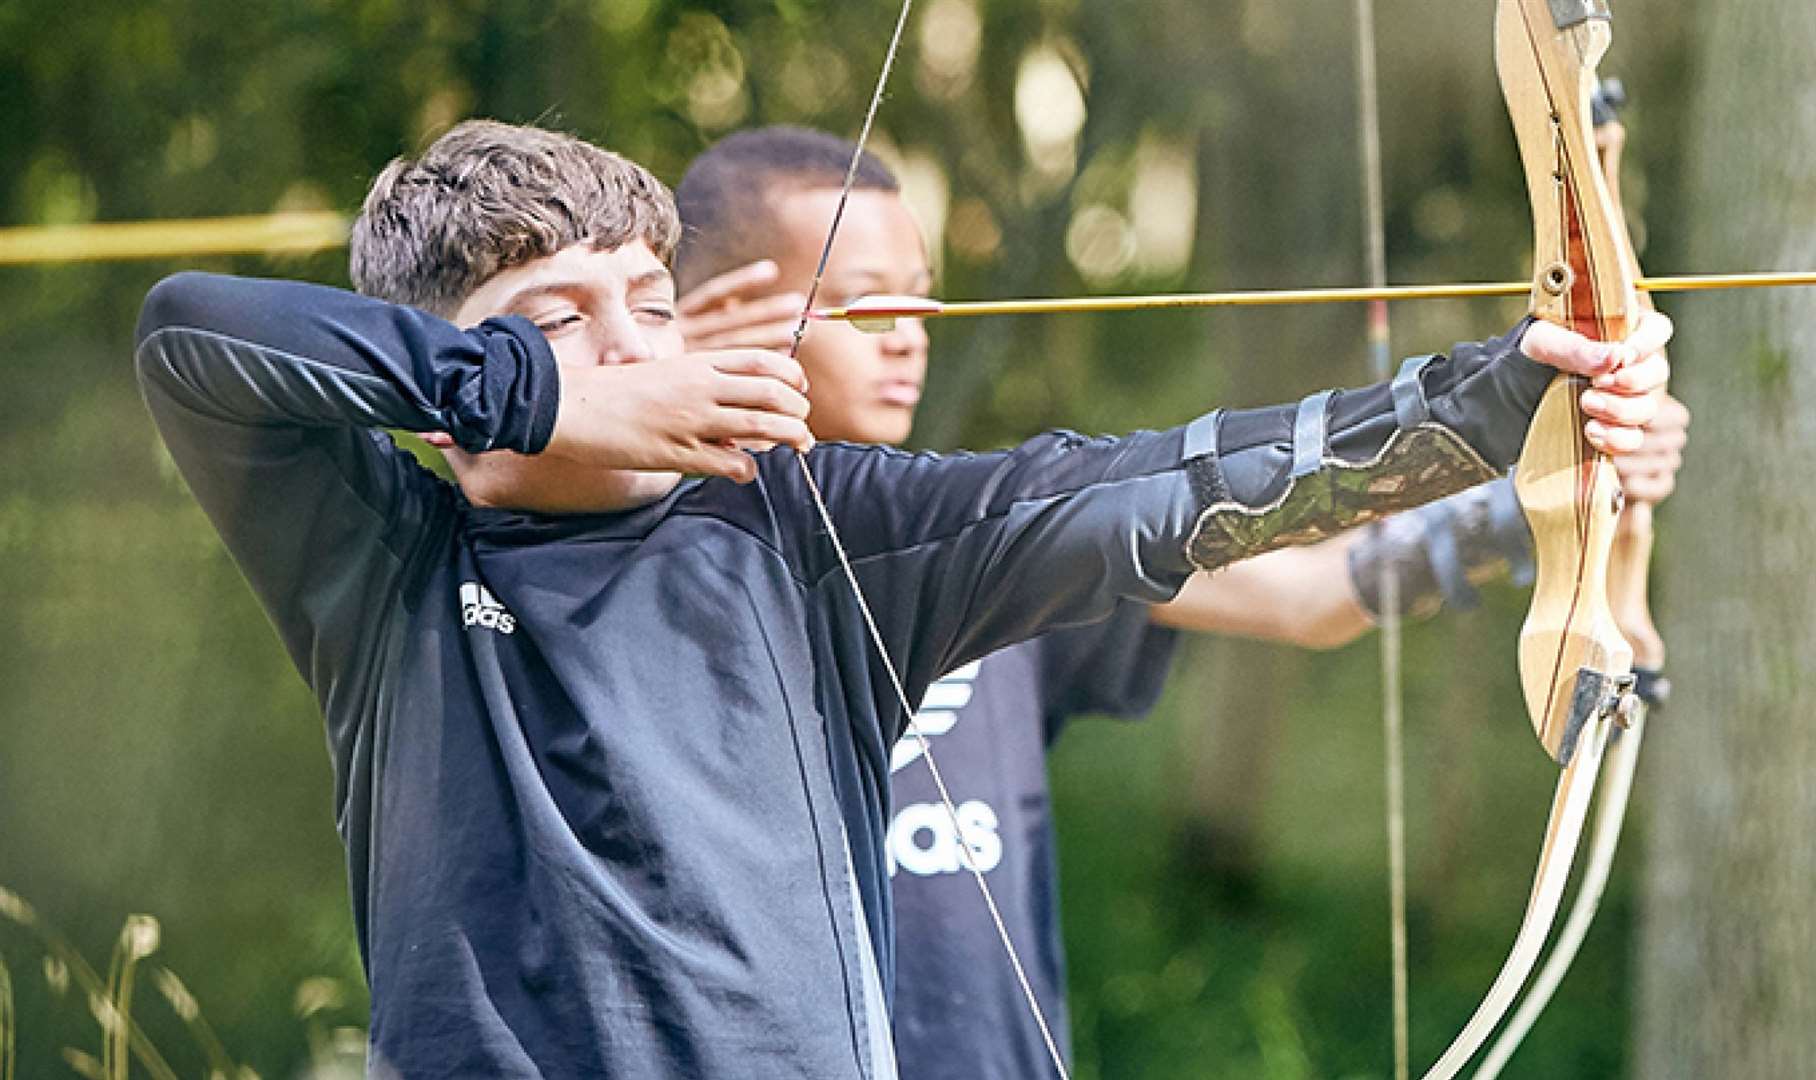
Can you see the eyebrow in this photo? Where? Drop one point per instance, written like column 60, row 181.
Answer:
column 573, row 285
column 873, row 273
column 657, row 276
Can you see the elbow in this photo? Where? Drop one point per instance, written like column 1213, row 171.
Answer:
column 178, row 300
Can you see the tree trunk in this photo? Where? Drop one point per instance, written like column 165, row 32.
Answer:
column 1727, row 944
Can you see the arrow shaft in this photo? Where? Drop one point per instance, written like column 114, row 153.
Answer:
column 1288, row 297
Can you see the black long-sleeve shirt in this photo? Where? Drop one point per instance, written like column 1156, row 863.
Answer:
column 613, row 785
column 596, row 773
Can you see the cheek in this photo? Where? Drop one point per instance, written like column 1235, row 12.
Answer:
column 841, row 361
column 572, row 350
column 824, row 371
column 665, row 341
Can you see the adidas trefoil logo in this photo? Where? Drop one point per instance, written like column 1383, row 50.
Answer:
column 938, row 713
column 478, row 607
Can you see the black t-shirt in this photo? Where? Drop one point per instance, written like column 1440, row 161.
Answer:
column 958, row 1009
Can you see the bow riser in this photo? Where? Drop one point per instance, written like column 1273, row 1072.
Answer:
column 1546, row 51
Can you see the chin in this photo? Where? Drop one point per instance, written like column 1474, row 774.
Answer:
column 511, row 481
column 624, row 490
column 888, row 429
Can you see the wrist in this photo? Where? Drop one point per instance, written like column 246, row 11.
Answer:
column 1439, row 553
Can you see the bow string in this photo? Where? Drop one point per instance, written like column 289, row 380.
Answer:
column 876, row 637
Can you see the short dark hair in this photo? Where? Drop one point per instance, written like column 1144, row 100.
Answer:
column 727, row 209
column 488, row 196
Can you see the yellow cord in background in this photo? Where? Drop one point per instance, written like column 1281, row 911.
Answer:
column 261, row 234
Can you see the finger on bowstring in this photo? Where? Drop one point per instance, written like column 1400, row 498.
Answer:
column 757, row 425
column 774, row 338
column 762, row 364
column 761, row 324
column 732, row 284
column 761, row 395
column 719, row 460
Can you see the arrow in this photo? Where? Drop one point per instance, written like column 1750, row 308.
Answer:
column 877, row 314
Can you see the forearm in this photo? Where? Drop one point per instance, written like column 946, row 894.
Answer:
column 1328, row 594
column 1060, row 529
column 273, row 353
column 1300, row 596
column 1271, row 478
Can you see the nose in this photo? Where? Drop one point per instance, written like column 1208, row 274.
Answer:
column 908, row 338
column 622, row 339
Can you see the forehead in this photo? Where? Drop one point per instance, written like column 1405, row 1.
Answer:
column 578, row 268
column 876, row 224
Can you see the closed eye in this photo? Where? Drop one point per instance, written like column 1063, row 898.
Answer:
column 555, row 324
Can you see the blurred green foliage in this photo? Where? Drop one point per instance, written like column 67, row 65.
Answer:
column 157, row 754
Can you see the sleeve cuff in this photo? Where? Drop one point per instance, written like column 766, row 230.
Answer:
column 520, row 391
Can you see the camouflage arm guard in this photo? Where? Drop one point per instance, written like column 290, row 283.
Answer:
column 1267, row 478
column 1441, row 551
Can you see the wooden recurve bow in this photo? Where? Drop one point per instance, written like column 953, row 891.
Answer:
column 1627, row 595
column 1574, row 662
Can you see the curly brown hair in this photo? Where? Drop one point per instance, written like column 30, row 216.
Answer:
column 487, row 196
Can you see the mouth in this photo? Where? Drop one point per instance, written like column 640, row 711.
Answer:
column 900, row 392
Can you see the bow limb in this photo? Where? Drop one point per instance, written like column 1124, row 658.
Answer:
column 1563, row 831
column 1574, row 662
column 1627, row 595
column 1611, row 811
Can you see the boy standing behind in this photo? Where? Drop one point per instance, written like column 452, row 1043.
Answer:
column 756, row 207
